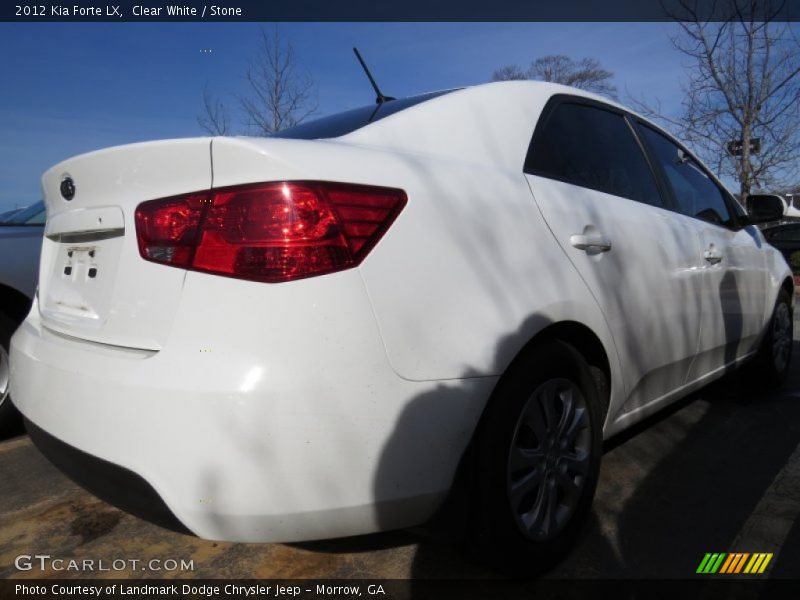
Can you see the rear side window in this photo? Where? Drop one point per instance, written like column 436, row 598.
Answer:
column 592, row 148
column 695, row 192
column 33, row 215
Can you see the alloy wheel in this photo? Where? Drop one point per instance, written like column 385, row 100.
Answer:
column 781, row 336
column 549, row 459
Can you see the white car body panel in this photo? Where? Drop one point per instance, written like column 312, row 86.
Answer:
column 230, row 428
column 135, row 310
column 342, row 404
column 735, row 299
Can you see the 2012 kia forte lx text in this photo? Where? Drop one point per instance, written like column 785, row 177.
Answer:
column 315, row 334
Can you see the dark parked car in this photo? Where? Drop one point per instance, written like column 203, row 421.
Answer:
column 20, row 245
column 785, row 238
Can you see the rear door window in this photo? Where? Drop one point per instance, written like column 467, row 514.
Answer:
column 696, row 194
column 593, row 148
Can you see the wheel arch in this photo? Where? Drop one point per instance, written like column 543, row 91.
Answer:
column 788, row 286
column 587, row 343
column 583, row 339
column 14, row 303
column 580, row 337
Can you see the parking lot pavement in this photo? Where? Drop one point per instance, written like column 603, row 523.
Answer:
column 719, row 472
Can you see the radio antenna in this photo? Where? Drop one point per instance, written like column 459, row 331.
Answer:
column 379, row 97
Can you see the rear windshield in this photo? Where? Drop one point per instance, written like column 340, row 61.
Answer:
column 33, row 215
column 348, row 121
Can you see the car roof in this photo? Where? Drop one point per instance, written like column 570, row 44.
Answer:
column 490, row 124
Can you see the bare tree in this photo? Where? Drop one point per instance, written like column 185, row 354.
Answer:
column 214, row 116
column 509, row 73
column 586, row 74
column 741, row 110
column 280, row 93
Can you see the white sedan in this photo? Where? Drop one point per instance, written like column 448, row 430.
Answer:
column 315, row 335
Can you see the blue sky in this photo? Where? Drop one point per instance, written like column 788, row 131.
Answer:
column 70, row 88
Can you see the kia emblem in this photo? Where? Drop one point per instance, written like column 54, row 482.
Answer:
column 67, row 188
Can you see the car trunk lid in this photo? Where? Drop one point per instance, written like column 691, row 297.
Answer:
column 93, row 284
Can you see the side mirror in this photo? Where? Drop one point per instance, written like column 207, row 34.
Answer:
column 765, row 208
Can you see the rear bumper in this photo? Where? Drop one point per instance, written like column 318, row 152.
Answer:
column 309, row 436
column 120, row 487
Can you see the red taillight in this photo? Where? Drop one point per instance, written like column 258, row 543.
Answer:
column 268, row 231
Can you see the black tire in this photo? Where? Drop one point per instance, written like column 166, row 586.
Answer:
column 506, row 535
column 10, row 419
column 767, row 369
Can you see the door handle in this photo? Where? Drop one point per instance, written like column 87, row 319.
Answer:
column 591, row 243
column 713, row 256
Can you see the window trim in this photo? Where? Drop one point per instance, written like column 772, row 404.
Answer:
column 666, row 201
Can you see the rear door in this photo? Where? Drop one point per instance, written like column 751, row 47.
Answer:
column 735, row 276
column 599, row 195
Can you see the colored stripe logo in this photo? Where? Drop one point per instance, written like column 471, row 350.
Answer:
column 734, row 563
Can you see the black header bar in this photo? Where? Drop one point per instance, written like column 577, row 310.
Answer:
column 373, row 10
